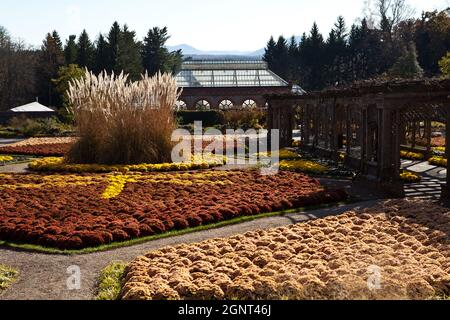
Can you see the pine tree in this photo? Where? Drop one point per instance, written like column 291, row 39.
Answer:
column 129, row 54
column 71, row 51
column 57, row 40
column 85, row 51
column 314, row 59
column 281, row 67
column 336, row 54
column 293, row 60
column 101, row 56
column 269, row 54
column 155, row 55
column 50, row 60
column 113, row 47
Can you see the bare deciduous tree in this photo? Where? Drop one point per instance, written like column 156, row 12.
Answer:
column 387, row 13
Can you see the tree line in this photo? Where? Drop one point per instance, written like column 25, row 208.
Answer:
column 385, row 44
column 27, row 73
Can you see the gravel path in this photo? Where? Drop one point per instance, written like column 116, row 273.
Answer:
column 43, row 277
column 14, row 168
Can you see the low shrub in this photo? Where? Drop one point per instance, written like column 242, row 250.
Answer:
column 245, row 119
column 305, row 166
column 109, row 284
column 39, row 127
column 410, row 177
column 6, row 158
column 7, row 276
column 412, row 155
column 438, row 161
column 209, row 118
column 283, row 154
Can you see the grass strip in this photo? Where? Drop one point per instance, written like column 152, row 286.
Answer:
column 110, row 281
column 7, row 276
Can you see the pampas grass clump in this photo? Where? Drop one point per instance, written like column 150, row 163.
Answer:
column 123, row 122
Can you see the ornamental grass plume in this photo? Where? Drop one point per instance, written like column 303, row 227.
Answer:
column 123, row 122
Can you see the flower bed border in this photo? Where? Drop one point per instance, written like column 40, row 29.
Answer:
column 169, row 234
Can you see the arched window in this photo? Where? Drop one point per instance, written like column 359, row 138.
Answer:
column 202, row 105
column 181, row 105
column 249, row 104
column 226, row 105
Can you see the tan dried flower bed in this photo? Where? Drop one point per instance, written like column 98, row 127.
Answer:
column 323, row 259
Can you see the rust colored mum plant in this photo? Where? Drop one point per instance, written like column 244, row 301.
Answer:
column 76, row 211
column 123, row 122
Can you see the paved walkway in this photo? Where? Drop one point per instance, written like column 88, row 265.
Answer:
column 4, row 142
column 14, row 168
column 433, row 178
column 44, row 276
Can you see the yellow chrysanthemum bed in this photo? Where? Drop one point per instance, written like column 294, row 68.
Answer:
column 305, row 166
column 6, row 158
column 58, row 165
column 412, row 155
column 284, row 154
column 438, row 161
column 410, row 177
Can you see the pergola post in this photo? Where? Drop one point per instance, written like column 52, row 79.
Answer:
column 348, row 129
column 397, row 141
column 428, row 137
column 307, row 124
column 334, row 131
column 445, row 195
column 316, row 127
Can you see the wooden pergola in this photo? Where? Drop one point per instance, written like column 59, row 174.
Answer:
column 368, row 121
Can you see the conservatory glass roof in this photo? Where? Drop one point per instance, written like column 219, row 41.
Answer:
column 227, row 73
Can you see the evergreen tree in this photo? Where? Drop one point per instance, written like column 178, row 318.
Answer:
column 281, row 66
column 407, row 65
column 129, row 54
column 113, row 48
column 313, row 60
column 293, row 61
column 50, row 60
column 85, row 51
column 269, row 54
column 101, row 56
column 336, row 54
column 71, row 51
column 65, row 75
column 155, row 55
column 57, row 40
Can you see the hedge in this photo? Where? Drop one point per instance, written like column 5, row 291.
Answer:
column 209, row 118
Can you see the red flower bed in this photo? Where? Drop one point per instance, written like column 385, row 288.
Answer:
column 73, row 214
column 45, row 150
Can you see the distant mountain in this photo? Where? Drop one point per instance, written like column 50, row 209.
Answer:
column 191, row 51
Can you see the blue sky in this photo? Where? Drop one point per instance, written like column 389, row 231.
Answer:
column 242, row 25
